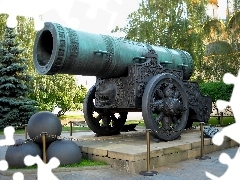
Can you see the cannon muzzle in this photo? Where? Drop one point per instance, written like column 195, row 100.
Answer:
column 62, row 50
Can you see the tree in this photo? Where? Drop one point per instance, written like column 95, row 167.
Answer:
column 222, row 53
column 59, row 90
column 15, row 107
column 25, row 36
column 174, row 24
column 235, row 4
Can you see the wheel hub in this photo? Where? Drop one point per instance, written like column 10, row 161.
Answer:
column 172, row 107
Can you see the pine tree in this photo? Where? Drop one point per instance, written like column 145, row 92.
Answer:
column 15, row 107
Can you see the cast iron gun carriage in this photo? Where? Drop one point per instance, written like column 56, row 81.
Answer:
column 131, row 77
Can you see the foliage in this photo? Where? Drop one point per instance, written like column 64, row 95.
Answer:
column 15, row 108
column 236, row 5
column 222, row 40
column 25, row 37
column 57, row 91
column 184, row 24
column 217, row 90
column 174, row 24
column 215, row 66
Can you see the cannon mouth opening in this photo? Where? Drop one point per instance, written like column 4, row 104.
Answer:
column 44, row 48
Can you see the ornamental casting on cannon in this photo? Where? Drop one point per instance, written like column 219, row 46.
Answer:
column 131, row 77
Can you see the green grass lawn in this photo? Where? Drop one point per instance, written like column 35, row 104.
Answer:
column 226, row 121
column 214, row 121
column 138, row 122
column 82, row 163
column 76, row 117
column 86, row 162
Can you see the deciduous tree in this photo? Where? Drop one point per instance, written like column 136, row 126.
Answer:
column 58, row 91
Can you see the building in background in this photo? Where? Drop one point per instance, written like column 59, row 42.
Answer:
column 222, row 9
column 212, row 8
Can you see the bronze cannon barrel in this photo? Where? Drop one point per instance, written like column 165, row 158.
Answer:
column 61, row 50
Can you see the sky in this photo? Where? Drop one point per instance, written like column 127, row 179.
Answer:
column 92, row 16
column 222, row 9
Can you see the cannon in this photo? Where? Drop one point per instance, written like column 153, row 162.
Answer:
column 130, row 77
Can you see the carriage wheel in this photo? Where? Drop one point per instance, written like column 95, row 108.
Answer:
column 165, row 107
column 102, row 121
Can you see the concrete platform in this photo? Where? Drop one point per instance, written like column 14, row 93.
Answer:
column 127, row 151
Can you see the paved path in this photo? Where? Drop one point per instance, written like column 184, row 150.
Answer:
column 193, row 169
column 186, row 170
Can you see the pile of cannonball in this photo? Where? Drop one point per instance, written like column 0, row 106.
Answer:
column 68, row 152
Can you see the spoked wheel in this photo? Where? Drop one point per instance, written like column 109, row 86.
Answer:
column 102, row 121
column 165, row 107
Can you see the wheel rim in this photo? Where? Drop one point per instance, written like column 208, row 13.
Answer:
column 165, row 107
column 102, row 121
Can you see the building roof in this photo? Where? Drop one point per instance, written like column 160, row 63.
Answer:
column 213, row 1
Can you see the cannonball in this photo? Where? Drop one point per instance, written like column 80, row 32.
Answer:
column 16, row 153
column 68, row 152
column 44, row 121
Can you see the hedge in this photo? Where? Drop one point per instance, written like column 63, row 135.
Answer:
column 217, row 90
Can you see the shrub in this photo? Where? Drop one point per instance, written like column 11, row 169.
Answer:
column 217, row 90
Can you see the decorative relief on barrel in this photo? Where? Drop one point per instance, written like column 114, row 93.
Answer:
column 74, row 47
column 187, row 63
column 110, row 63
column 190, row 62
column 57, row 65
